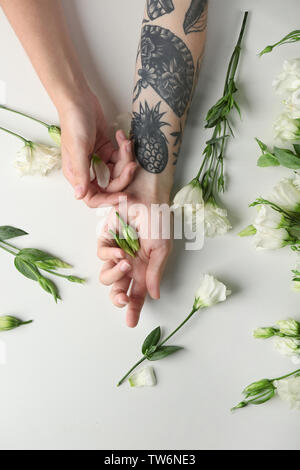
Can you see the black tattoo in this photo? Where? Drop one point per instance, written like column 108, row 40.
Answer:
column 151, row 147
column 178, row 137
column 196, row 17
column 157, row 8
column 168, row 67
column 178, row 141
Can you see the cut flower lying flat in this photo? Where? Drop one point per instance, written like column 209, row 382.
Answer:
column 210, row 179
column 287, row 388
column 30, row 262
column 287, row 334
column 210, row 292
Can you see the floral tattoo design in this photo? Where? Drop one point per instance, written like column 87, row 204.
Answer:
column 150, row 142
column 167, row 66
column 158, row 8
column 196, row 17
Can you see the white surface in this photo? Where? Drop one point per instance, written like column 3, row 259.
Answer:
column 58, row 387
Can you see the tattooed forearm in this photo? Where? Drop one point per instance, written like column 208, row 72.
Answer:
column 157, row 8
column 167, row 69
column 196, row 17
column 167, row 66
column 151, row 144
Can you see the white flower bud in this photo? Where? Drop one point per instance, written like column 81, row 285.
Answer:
column 215, row 220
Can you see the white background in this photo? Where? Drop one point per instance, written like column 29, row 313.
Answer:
column 58, row 390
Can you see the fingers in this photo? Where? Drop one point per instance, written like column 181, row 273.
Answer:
column 137, row 299
column 118, row 294
column 125, row 178
column 106, row 253
column 76, row 168
column 156, row 267
column 112, row 273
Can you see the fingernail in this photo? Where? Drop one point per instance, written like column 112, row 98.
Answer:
column 120, row 255
column 122, row 135
column 125, row 267
column 128, row 147
column 121, row 301
column 78, row 192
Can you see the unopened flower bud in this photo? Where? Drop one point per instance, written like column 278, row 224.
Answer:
column 258, row 387
column 10, row 323
column 289, row 327
column 264, row 333
column 55, row 134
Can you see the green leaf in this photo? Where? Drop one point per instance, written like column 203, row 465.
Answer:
column 49, row 287
column 151, row 340
column 163, row 351
column 297, row 149
column 287, row 158
column 7, row 232
column 26, row 268
column 267, row 159
column 43, row 259
column 263, row 146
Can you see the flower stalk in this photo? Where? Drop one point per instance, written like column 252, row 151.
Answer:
column 210, row 292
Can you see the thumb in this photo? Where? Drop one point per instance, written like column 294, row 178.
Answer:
column 76, row 167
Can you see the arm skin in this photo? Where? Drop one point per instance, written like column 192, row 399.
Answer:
column 41, row 28
column 168, row 64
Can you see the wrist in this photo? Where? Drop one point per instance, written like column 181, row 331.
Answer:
column 154, row 188
column 77, row 96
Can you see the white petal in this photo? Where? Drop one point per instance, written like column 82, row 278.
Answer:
column 143, row 378
column 100, row 171
column 210, row 292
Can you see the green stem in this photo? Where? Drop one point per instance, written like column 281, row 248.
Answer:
column 10, row 245
column 144, row 358
column 179, row 327
column 24, row 115
column 15, row 135
column 131, row 370
column 26, row 322
column 54, row 273
column 286, row 376
column 7, row 249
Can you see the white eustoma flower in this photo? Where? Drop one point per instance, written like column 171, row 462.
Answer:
column 215, row 220
column 287, row 129
column 292, row 105
column 210, row 292
column 289, row 391
column 190, row 198
column 191, row 194
column 268, row 217
column 296, row 180
column 100, row 171
column 37, row 159
column 124, row 122
column 289, row 327
column 296, row 286
column 286, row 194
column 270, row 238
column 143, row 378
column 288, row 81
column 287, row 346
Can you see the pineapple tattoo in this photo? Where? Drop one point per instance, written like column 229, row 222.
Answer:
column 157, row 8
column 167, row 66
column 151, row 145
column 196, row 17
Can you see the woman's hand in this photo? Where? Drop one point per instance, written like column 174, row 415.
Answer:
column 132, row 278
column 84, row 133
